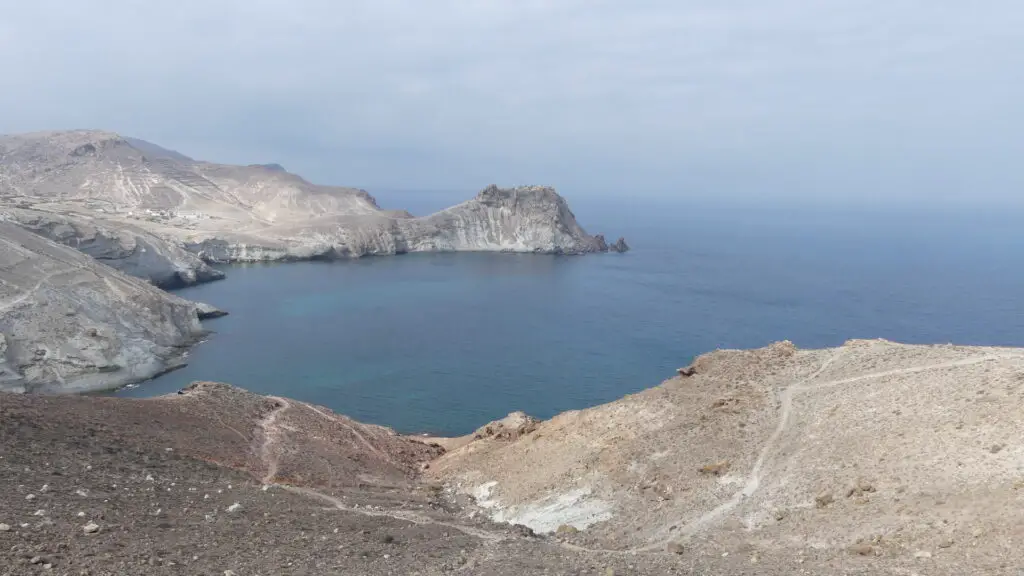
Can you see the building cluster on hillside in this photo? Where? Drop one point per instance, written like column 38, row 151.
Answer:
column 151, row 214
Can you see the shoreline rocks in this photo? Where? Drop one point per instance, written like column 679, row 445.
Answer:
column 206, row 311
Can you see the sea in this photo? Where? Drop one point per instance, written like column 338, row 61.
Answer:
column 444, row 343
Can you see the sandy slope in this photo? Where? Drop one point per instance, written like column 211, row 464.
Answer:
column 905, row 454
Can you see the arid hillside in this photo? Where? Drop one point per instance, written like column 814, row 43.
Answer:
column 872, row 458
column 893, row 458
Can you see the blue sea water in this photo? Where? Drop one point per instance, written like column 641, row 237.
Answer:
column 443, row 343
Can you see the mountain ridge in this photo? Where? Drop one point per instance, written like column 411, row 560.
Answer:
column 225, row 213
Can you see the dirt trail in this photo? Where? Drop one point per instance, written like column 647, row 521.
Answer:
column 405, row 515
column 914, row 370
column 271, row 433
column 24, row 296
column 753, row 480
column 362, row 439
column 269, row 456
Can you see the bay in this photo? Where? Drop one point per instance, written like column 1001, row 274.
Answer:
column 443, row 343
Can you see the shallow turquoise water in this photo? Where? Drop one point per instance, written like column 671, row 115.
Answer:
column 443, row 343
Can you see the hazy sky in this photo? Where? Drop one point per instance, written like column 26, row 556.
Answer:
column 808, row 98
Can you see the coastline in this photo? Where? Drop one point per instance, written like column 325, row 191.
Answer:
column 109, row 382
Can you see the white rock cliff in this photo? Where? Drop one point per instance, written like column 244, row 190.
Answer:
column 69, row 323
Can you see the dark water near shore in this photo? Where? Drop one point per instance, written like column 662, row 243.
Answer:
column 446, row 342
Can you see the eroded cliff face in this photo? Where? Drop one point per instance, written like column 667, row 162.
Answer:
column 167, row 203
column 120, row 245
column 529, row 219
column 523, row 219
column 70, row 323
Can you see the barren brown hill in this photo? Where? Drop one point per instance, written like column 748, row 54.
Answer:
column 220, row 481
column 872, row 458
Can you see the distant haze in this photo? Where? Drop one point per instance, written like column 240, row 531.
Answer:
column 821, row 100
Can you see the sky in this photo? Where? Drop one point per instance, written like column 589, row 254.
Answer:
column 812, row 100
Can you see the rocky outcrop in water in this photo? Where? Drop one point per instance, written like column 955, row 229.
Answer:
column 253, row 213
column 619, row 246
column 523, row 219
column 70, row 323
column 206, row 311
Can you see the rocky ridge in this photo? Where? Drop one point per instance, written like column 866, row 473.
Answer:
column 216, row 480
column 95, row 187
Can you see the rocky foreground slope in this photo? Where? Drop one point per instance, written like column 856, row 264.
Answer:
column 872, row 458
column 142, row 206
column 219, row 481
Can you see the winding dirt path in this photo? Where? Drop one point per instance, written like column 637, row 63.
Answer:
column 406, row 515
column 362, row 439
column 269, row 455
column 754, row 478
column 31, row 291
column 753, row 481
column 271, row 438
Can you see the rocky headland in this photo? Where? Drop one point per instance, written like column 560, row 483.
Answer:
column 871, row 458
column 163, row 216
